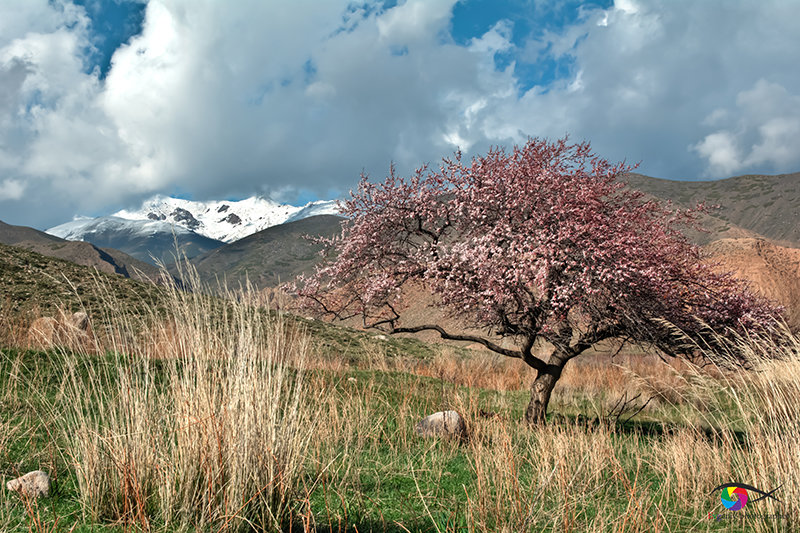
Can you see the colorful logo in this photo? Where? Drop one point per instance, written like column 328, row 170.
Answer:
column 735, row 496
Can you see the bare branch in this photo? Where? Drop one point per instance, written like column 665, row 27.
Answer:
column 533, row 361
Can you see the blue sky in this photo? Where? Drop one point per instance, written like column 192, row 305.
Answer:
column 104, row 103
column 113, row 23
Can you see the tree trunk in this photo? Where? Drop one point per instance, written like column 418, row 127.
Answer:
column 541, row 388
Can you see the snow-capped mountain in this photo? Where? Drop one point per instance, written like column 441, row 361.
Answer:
column 197, row 227
column 225, row 220
column 145, row 240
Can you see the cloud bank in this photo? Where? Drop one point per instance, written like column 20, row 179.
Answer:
column 228, row 99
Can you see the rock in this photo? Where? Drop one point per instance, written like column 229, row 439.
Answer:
column 382, row 337
column 43, row 333
column 79, row 320
column 182, row 215
column 443, row 423
column 232, row 219
column 71, row 330
column 34, row 484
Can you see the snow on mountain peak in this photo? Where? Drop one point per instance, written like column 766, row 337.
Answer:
column 226, row 221
column 78, row 229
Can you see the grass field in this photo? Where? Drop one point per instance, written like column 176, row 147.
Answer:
column 219, row 416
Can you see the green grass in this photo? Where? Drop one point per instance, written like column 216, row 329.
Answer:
column 384, row 479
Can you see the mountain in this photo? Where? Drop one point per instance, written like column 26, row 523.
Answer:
column 314, row 209
column 146, row 240
column 270, row 256
column 197, row 227
column 767, row 206
column 225, row 221
column 106, row 260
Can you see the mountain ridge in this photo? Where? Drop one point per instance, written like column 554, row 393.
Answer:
column 107, row 260
column 764, row 205
column 150, row 241
column 224, row 220
column 270, row 256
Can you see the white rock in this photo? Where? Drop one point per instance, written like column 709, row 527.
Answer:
column 33, row 484
column 443, row 423
column 79, row 320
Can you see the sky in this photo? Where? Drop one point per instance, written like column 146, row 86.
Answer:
column 104, row 103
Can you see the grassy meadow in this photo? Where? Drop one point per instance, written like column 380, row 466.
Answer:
column 216, row 414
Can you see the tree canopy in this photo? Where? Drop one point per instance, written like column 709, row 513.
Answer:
column 542, row 243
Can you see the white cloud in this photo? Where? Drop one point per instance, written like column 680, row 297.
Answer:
column 497, row 39
column 414, row 21
column 221, row 99
column 655, row 82
column 721, row 151
column 627, row 6
column 762, row 130
column 11, row 189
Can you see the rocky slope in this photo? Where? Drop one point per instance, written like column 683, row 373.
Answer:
column 35, row 283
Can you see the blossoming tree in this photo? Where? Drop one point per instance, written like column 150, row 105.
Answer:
column 542, row 245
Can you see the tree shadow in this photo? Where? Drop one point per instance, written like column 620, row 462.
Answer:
column 646, row 428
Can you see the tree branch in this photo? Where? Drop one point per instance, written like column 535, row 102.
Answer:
column 526, row 356
column 592, row 337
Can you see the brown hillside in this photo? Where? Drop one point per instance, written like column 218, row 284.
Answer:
column 772, row 270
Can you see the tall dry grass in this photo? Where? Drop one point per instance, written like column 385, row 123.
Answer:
column 738, row 426
column 197, row 419
column 759, row 416
column 718, row 425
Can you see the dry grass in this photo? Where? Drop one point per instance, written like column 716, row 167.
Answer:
column 748, row 432
column 200, row 420
column 762, row 407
